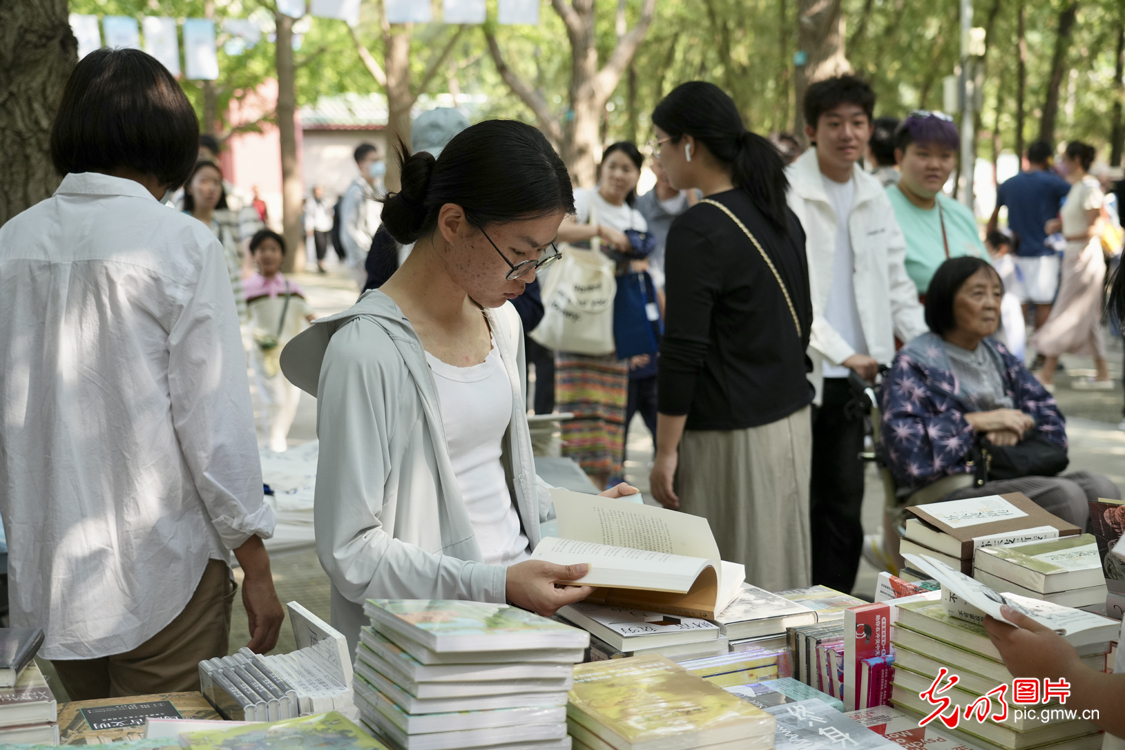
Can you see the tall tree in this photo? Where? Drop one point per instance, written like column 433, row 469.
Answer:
column 820, row 35
column 393, row 76
column 1021, row 79
column 1117, row 133
column 576, row 131
column 291, row 184
column 1067, row 17
column 37, row 53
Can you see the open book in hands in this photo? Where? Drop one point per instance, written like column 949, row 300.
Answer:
column 642, row 556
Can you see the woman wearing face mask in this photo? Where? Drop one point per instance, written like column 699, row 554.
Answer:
column 426, row 486
column 595, row 389
column 1075, row 325
column 203, row 196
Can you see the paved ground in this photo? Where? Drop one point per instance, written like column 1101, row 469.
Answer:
column 1095, row 445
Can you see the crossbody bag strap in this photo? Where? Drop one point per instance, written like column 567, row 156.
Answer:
column 766, row 258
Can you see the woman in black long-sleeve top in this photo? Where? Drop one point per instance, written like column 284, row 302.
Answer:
column 734, row 433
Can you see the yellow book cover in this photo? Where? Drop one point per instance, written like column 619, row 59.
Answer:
column 323, row 730
column 112, row 719
column 651, row 698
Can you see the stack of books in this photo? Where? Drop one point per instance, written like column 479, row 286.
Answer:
column 331, row 729
column 928, row 638
column 1065, row 571
column 738, row 667
column 891, row 587
column 109, row 720
column 816, row 649
column 758, row 619
column 650, row 701
column 28, row 709
column 952, row 531
column 814, row 724
column 439, row 675
column 315, row 678
column 618, row 632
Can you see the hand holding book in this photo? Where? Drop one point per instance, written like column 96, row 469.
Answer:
column 531, row 585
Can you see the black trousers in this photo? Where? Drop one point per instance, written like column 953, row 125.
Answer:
column 836, row 491
column 320, row 241
column 641, row 398
column 544, row 361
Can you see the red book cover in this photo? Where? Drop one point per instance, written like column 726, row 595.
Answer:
column 866, row 635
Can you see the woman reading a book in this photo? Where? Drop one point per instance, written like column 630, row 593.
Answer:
column 426, row 485
column 955, row 391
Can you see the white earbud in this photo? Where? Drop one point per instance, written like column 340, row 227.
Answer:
column 687, row 152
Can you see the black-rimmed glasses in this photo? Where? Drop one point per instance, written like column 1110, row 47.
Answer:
column 524, row 267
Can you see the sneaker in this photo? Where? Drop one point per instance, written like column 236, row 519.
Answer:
column 876, row 556
column 1091, row 384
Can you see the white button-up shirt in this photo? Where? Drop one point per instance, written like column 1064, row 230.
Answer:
column 128, row 456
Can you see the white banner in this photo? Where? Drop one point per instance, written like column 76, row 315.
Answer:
column 200, row 58
column 244, row 34
column 87, row 32
column 291, row 8
column 162, row 42
column 341, row 10
column 122, row 32
column 409, row 11
column 519, row 12
column 464, row 11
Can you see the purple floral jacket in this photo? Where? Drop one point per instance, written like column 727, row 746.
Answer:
column 924, row 433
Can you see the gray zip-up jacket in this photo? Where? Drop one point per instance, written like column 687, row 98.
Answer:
column 389, row 516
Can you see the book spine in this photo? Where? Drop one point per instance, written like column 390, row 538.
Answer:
column 866, row 635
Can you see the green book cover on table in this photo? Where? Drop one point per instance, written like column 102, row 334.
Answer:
column 1046, row 567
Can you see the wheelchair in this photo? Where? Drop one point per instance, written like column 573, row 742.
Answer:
column 866, row 401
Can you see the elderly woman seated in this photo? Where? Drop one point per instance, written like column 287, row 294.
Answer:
column 955, row 390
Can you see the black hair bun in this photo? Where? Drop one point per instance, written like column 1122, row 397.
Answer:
column 405, row 212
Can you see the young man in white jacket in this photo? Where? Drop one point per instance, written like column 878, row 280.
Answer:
column 862, row 299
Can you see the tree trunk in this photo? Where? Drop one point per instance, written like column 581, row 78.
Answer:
column 291, row 189
column 396, row 40
column 1117, row 135
column 783, row 106
column 820, row 35
column 1021, row 80
column 997, row 141
column 581, row 129
column 37, row 53
column 631, row 104
column 1058, row 67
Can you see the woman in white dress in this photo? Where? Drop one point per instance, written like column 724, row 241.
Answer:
column 426, row 484
column 1075, row 325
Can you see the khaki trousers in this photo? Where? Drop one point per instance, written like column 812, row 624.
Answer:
column 753, row 486
column 169, row 661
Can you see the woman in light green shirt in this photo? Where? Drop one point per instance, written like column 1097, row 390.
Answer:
column 936, row 227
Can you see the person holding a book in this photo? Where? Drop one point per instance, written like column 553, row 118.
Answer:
column 955, row 391
column 426, row 484
column 734, row 434
column 127, row 453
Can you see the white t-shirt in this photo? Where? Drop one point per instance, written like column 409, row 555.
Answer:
column 608, row 215
column 841, row 309
column 476, row 407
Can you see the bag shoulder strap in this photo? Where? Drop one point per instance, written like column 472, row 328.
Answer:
column 766, row 258
column 284, row 310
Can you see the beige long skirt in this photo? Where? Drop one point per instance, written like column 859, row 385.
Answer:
column 753, row 486
column 1075, row 324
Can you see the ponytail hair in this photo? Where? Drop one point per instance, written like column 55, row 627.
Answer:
column 703, row 111
column 498, row 171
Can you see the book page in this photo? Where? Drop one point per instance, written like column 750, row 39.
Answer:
column 619, row 523
column 655, row 570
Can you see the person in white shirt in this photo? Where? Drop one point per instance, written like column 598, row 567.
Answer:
column 360, row 210
column 426, row 484
column 862, row 299
column 127, row 450
column 318, row 224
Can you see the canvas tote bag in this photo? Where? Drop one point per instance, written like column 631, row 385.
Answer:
column 578, row 301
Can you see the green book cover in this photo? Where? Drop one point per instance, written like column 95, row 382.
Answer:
column 462, row 625
column 1052, row 556
column 323, row 730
